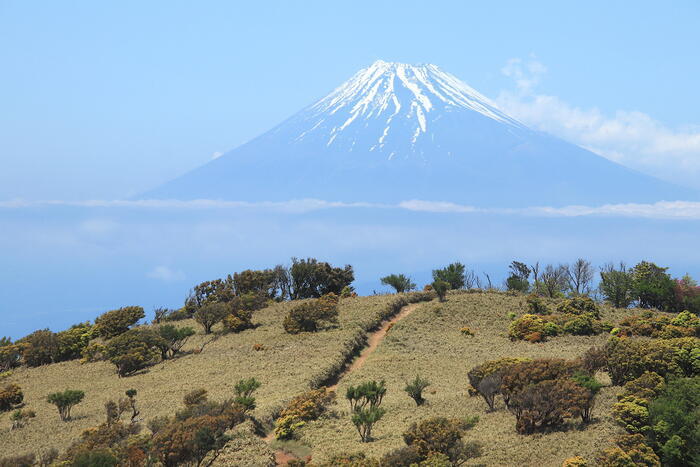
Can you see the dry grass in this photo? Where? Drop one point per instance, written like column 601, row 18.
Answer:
column 429, row 343
column 285, row 368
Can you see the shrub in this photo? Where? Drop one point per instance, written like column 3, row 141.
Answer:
column 466, row 331
column 10, row 396
column 303, row 408
column 364, row 420
column 440, row 435
column 686, row 295
column 238, row 320
column 65, row 401
column 632, row 414
column 10, row 354
column 244, row 390
column 210, row 314
column 592, row 386
column 454, row 275
column 485, row 379
column 576, row 461
column 262, row 282
column 415, row 388
column 40, row 348
column 648, row 386
column 594, row 359
column 648, row 324
column 174, row 339
column 582, row 325
column 189, row 440
column 440, row 287
column 208, row 292
column 536, row 305
column 652, row 287
column 310, row 315
column 579, row 305
column 20, row 417
column 135, row 350
column 525, row 327
column 628, row 359
column 115, row 322
column 629, row 450
column 26, row 460
column 406, row 456
column 97, row 458
column 675, row 424
column 72, row 342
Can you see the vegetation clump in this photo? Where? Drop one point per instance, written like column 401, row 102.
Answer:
column 10, row 396
column 116, row 322
column 310, row 315
column 415, row 389
column 649, row 324
column 300, row 410
column 365, row 400
column 398, row 282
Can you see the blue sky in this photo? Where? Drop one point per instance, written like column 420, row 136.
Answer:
column 104, row 100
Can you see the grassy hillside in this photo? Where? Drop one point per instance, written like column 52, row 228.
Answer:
column 427, row 342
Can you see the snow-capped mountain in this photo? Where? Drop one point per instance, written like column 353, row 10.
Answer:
column 397, row 132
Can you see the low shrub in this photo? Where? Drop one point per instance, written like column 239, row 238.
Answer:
column 115, row 322
column 300, row 410
column 65, row 401
column 440, row 435
column 663, row 326
column 536, row 305
column 576, row 461
column 244, row 390
column 579, row 305
column 10, row 396
column 485, row 379
column 466, row 331
column 629, row 450
column 174, row 339
column 25, row 460
column 415, row 389
column 20, row 417
column 310, row 315
column 440, row 287
column 238, row 320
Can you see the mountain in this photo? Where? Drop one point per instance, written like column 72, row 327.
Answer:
column 397, row 132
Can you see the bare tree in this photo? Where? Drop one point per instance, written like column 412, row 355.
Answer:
column 471, row 280
column 554, row 280
column 580, row 276
column 535, row 268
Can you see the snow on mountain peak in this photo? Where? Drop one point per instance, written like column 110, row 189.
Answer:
column 387, row 96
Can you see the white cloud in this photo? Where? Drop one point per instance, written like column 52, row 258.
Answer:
column 630, row 138
column 660, row 210
column 166, row 274
column 217, row 154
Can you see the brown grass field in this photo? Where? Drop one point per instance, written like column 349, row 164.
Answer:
column 427, row 342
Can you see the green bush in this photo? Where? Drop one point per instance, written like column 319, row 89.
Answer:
column 308, row 316
column 398, row 282
column 616, row 285
column 652, row 287
column 629, row 450
column 364, row 420
column 310, row 278
column 440, row 287
column 579, row 305
column 10, row 396
column 97, row 458
column 135, row 350
column 415, row 389
column 238, row 320
column 244, row 390
column 65, row 401
column 115, row 322
column 537, row 305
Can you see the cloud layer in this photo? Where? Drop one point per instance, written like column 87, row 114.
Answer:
column 689, row 210
column 630, row 138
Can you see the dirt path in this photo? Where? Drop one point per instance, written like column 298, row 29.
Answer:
column 282, row 457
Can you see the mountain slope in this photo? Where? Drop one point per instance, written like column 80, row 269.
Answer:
column 396, row 132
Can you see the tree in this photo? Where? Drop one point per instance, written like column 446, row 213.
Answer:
column 135, row 349
column 415, row 389
column 453, row 274
column 399, row 282
column 364, row 420
column 579, row 275
column 310, row 278
column 244, row 390
column 310, row 315
column 518, row 278
column 174, row 339
column 216, row 291
column 676, row 424
column 115, row 322
column 40, row 348
column 210, row 314
column 553, row 280
column 652, row 287
column 440, row 435
column 535, row 268
column 616, row 285
column 65, row 401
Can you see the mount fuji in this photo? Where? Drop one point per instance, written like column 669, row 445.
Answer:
column 396, row 132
